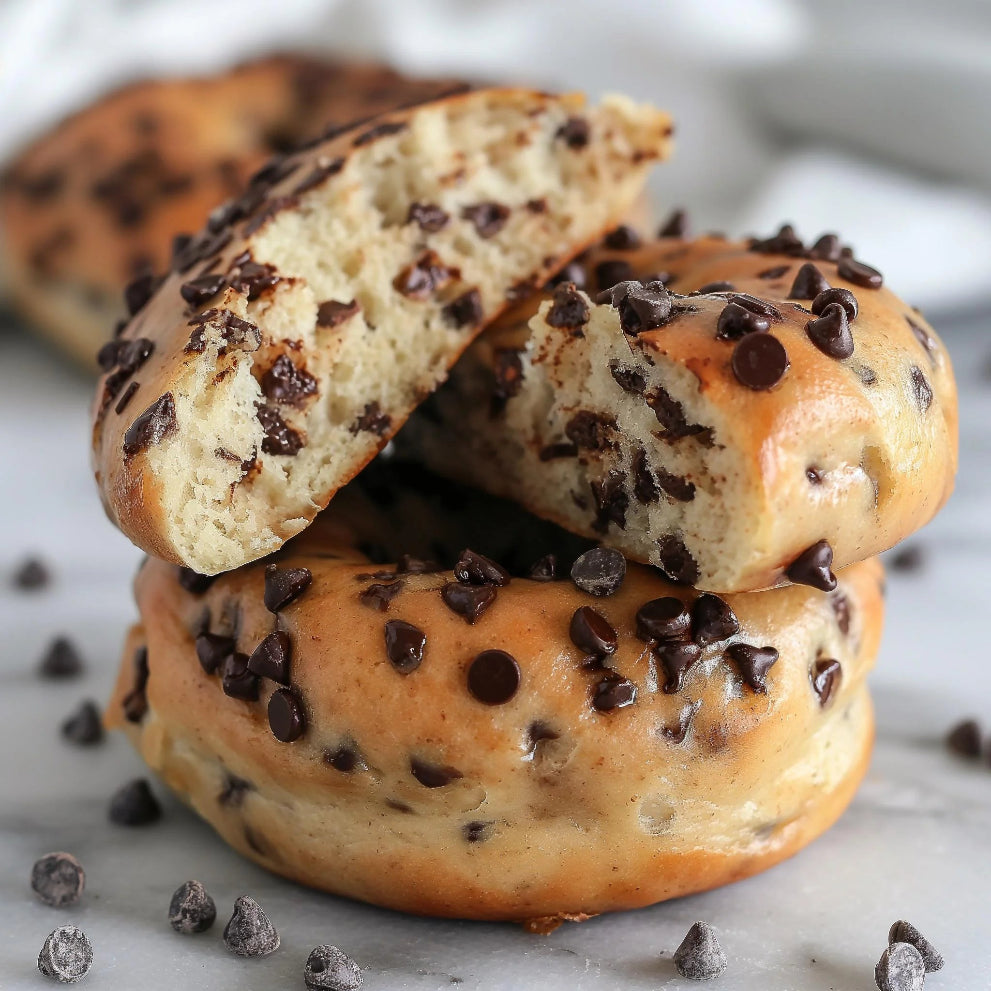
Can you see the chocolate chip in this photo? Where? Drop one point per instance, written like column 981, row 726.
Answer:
column 900, row 968
column 574, row 132
column 279, row 437
column 759, row 362
column 212, row 650
column 135, row 703
column 859, row 274
column 676, row 561
column 611, row 501
column 409, row 565
column 156, row 423
column 372, row 421
column 700, row 957
column 240, row 334
column 270, row 659
column 191, row 909
column 599, row 571
column 622, row 238
column 201, row 290
column 424, row 277
column 675, row 226
column 286, row 716
column 841, row 609
column 809, row 283
column 237, row 681
column 58, row 879
column 830, row 333
column 544, row 569
column 611, row 273
column 613, row 692
column 712, row 620
column 643, row 308
column 84, row 727
column 476, row 832
column 827, row 248
column 844, row 297
column 628, row 379
column 591, row 632
column 676, row 657
column 345, row 759
column 61, row 660
column 468, row 601
column 785, row 242
column 274, row 170
column 645, row 487
column 134, row 805
column 812, row 567
column 488, row 218
column 494, row 677
column 464, row 310
column 676, row 486
column 284, row 585
column 404, row 645
column 965, row 739
column 250, row 933
column 923, row 336
column 322, row 171
column 331, row 313
column 569, row 309
column 235, row 789
column 905, row 932
column 273, row 207
column 330, row 969
column 253, row 279
column 379, row 131
column 285, row 383
column 590, row 431
column 774, row 273
column 921, row 388
column 379, row 596
column 736, row 321
column 476, row 569
column 663, row 619
column 139, row 291
column 826, row 674
column 433, row 775
column 429, row 216
column 126, row 398
column 753, row 664
column 67, row 955
column 193, row 581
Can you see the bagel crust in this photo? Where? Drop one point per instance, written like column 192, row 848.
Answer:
column 630, row 422
column 445, row 783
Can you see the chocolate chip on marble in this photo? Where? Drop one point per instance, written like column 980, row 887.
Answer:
column 404, row 645
column 212, row 650
column 60, row 660
column 592, row 633
column 736, row 321
column 599, row 571
column 135, row 703
column 191, row 909
column 700, row 957
column 31, row 574
column 193, row 581
column 330, row 969
column 675, row 226
column 859, row 274
column 676, row 657
column 58, row 879
column 279, row 437
column 905, row 932
column 332, row 313
column 476, row 569
column 284, row 382
column 249, row 932
column 465, row 310
column 665, row 618
column 284, row 585
column 901, row 968
column 965, row 739
column 574, row 132
column 271, row 658
column 84, row 727
column 133, row 804
column 286, row 716
column 66, row 956
column 676, row 561
column 234, row 790
column 156, row 423
column 826, row 674
column 544, row 569
column 713, row 620
column 812, row 567
column 468, row 601
column 569, row 309
column 613, row 692
column 428, row 216
column 494, row 677
column 237, row 681
column 830, row 332
column 433, row 775
column 759, row 362
column 921, row 388
column 753, row 663
column 829, row 297
column 622, row 238
column 487, row 218
column 379, row 596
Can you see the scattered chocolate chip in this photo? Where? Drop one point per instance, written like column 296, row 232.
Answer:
column 611, row 501
column 826, row 249
column 830, row 333
column 270, row 659
column 965, row 739
column 84, row 727
column 675, row 226
column 676, row 657
column 279, row 437
column 156, row 423
column 424, row 277
column 591, row 632
column 921, row 388
column 212, row 650
column 332, row 313
column 910, row 558
column 330, row 969
column 476, row 569
column 644, row 308
column 809, row 283
column 645, row 487
column 675, row 561
column 859, row 274
column 774, row 273
column 468, row 601
column 590, row 431
column 613, row 692
column 285, row 383
column 609, row 274
column 544, row 569
column 67, row 955
column 905, row 932
column 433, row 775
column 628, row 379
column 379, row 596
column 135, row 703
column 202, row 289
column 191, row 909
column 712, row 620
column 574, row 132
column 404, row 645
column 126, row 398
column 700, row 957
column 663, row 619
column 139, row 291
column 622, row 238
column 253, row 279
column 736, row 321
column 753, row 663
column 843, row 297
column 569, row 309
column 759, row 362
column 494, row 677
column 61, row 660
column 901, row 968
column 193, row 581
column 812, row 567
column 286, row 716
column 599, row 571
column 250, row 933
column 284, row 585
column 785, row 242
column 487, row 218
column 429, row 216
column 58, row 879
column 31, row 574
column 679, row 488
column 464, row 310
column 236, row 680
column 134, row 805
column 235, row 789
column 826, row 674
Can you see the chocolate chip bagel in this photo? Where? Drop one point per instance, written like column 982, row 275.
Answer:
column 738, row 415
column 463, row 742
column 96, row 201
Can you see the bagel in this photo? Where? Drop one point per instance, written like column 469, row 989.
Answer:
column 293, row 337
column 769, row 413
column 570, row 747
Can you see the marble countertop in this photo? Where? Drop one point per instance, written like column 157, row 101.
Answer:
column 916, row 844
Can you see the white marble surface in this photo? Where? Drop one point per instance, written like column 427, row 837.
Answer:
column 914, row 845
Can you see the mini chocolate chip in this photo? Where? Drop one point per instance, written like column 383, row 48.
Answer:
column 61, row 660
column 191, row 909
column 830, row 333
column 905, row 932
column 237, row 681
column 859, row 274
column 965, row 739
column 433, row 775
column 428, row 216
column 628, row 379
column 676, row 657
column 58, row 879
column 844, row 297
column 574, row 132
column 234, row 791
column 134, row 805
column 753, row 664
column 271, row 658
column 202, row 289
column 330, row 969
column 544, row 569
column 424, row 277
column 663, row 619
column 812, row 567
column 344, row 759
column 826, row 249
column 901, row 968
column 212, row 650
column 67, row 955
column 712, row 620
column 156, row 423
column 285, row 383
column 609, row 274
column 476, row 569
column 622, row 238
column 379, row 596
column 285, row 715
column 193, row 581
column 613, row 692
column 279, row 437
column 404, row 645
column 494, row 677
column 126, row 398
column 643, row 308
column 31, row 575
column 139, row 291
column 785, row 242
column 332, row 313
column 372, row 421
column 569, row 308
column 249, row 932
column 759, row 361
column 84, row 727
column 809, row 283
column 284, row 585
column 468, row 601
column 488, row 218
column 465, row 310
column 737, row 321
column 700, row 957
column 675, row 226
column 921, row 388
column 599, row 571
column 591, row 632
column 675, row 561
column 826, row 674
column 774, row 273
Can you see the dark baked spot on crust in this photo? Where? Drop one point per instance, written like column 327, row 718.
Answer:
column 477, row 831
